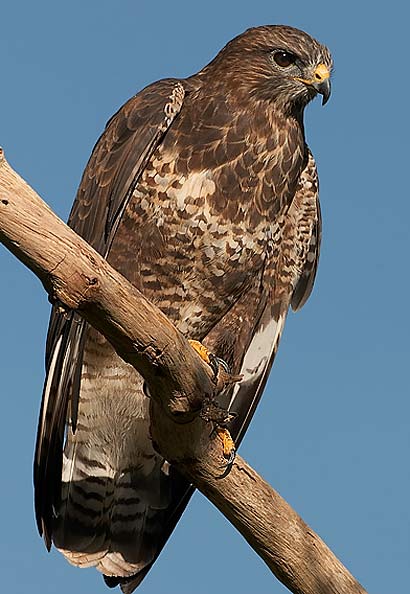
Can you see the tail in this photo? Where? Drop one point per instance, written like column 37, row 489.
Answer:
column 110, row 517
column 114, row 492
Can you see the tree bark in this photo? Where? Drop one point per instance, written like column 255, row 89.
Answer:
column 77, row 277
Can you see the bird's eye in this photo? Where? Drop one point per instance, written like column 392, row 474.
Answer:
column 284, row 59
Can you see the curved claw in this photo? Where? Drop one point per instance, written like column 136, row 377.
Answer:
column 229, row 463
column 216, row 362
column 221, row 370
column 213, row 361
column 229, row 449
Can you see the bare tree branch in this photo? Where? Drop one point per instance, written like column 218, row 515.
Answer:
column 79, row 278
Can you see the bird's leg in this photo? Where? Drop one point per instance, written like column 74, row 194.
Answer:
column 220, row 417
column 211, row 412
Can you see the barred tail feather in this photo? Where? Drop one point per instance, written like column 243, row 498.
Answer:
column 110, row 519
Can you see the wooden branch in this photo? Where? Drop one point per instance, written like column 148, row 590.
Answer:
column 75, row 275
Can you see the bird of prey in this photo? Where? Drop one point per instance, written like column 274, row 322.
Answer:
column 203, row 193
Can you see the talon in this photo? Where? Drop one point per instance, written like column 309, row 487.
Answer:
column 212, row 413
column 222, row 372
column 216, row 363
column 229, row 451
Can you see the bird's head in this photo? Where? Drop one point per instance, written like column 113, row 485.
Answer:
column 276, row 63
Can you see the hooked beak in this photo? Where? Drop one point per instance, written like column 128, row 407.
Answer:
column 320, row 82
column 324, row 88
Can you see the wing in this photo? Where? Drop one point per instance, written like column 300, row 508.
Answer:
column 309, row 224
column 119, row 158
column 116, row 163
column 302, row 232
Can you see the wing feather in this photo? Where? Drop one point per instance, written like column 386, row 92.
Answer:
column 302, row 235
column 255, row 369
column 309, row 222
column 116, row 163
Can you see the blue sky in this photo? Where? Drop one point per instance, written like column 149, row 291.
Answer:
column 332, row 431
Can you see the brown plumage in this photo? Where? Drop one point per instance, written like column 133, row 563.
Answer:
column 203, row 193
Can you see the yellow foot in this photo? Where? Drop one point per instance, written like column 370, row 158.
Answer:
column 202, row 351
column 213, row 413
column 228, row 443
column 222, row 375
column 219, row 417
column 229, row 450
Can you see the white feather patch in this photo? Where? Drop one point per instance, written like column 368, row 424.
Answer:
column 258, row 355
column 49, row 380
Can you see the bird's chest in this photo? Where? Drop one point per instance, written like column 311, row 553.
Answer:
column 199, row 238
column 226, row 209
column 206, row 227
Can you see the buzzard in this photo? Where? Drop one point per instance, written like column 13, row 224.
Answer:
column 203, row 193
